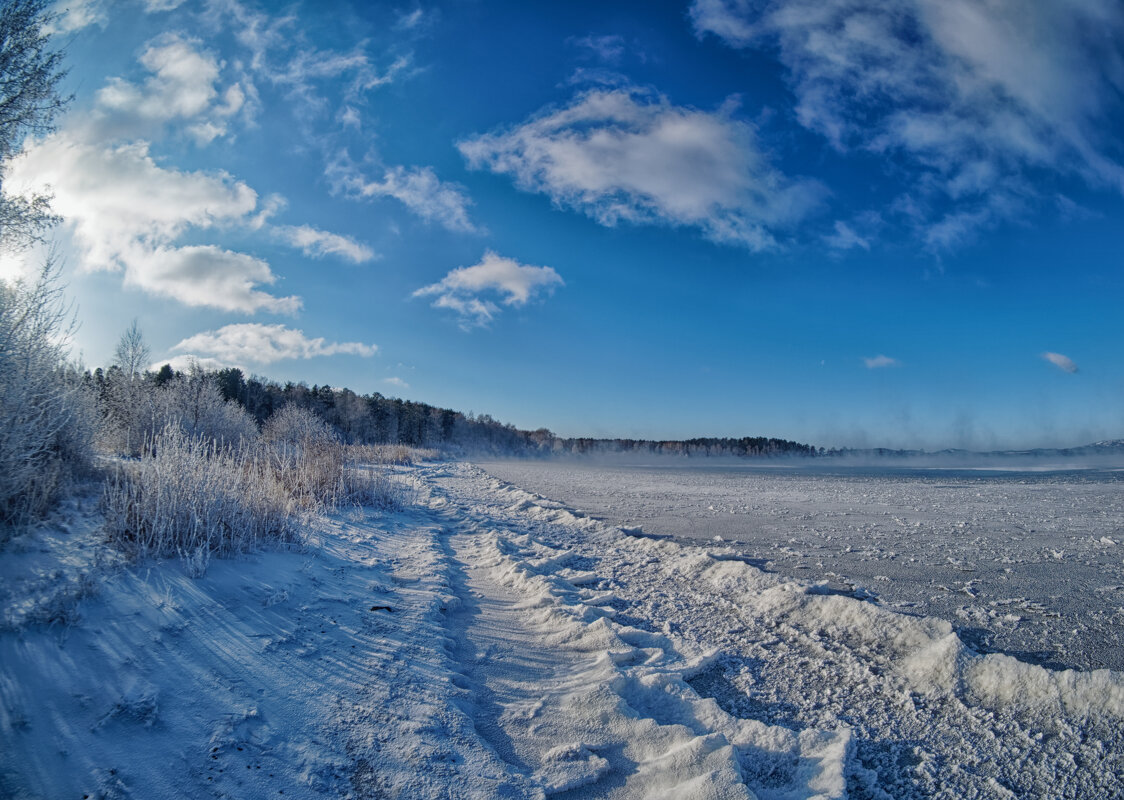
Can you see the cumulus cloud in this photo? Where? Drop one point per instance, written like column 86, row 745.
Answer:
column 182, row 85
column 263, row 344
column 396, row 382
column 126, row 212
column 462, row 289
column 317, row 243
column 1064, row 363
column 626, row 155
column 975, row 95
column 418, row 188
column 880, row 361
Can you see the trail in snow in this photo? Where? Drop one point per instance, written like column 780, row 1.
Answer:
column 492, row 643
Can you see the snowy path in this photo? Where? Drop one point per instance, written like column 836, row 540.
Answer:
column 489, row 643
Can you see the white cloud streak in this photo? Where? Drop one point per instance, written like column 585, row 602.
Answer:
column 461, row 290
column 264, row 344
column 845, row 238
column 317, row 243
column 418, row 188
column 977, row 95
column 1064, row 363
column 881, row 361
column 626, row 155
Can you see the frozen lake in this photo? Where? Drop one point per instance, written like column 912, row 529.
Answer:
column 1029, row 563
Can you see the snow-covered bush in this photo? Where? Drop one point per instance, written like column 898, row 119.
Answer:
column 367, row 484
column 193, row 496
column 197, row 493
column 307, row 456
column 136, row 410
column 195, row 403
column 45, row 415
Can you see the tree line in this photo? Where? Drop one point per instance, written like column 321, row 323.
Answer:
column 378, row 419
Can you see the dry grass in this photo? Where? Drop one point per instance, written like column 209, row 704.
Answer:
column 190, row 496
column 193, row 497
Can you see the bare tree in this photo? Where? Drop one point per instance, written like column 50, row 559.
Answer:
column 132, row 354
column 30, row 72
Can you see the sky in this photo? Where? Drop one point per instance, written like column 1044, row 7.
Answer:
column 848, row 223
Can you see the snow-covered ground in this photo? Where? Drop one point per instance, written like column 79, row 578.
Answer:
column 487, row 642
column 1029, row 563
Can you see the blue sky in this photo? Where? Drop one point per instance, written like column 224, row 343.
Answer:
column 842, row 222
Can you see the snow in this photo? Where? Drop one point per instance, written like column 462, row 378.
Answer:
column 1020, row 562
column 490, row 642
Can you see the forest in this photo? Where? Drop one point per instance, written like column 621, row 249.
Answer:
column 376, row 419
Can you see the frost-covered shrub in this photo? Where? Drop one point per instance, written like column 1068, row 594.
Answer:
column 195, row 403
column 306, row 456
column 45, row 416
column 137, row 410
column 192, row 496
column 365, row 484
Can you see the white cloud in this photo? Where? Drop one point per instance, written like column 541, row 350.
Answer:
column 624, row 155
column 126, row 211
column 881, row 361
column 418, row 188
column 349, row 118
column 263, row 344
column 206, row 275
column 397, row 382
column 461, row 289
column 845, row 238
column 974, row 94
column 182, row 85
column 74, row 15
column 155, row 6
column 608, row 49
column 317, row 243
column 1061, row 362
column 188, row 363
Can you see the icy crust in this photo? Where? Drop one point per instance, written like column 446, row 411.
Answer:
column 625, row 693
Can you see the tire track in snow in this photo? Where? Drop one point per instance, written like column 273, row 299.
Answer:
column 586, row 707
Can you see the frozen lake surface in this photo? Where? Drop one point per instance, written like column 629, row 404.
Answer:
column 1028, row 563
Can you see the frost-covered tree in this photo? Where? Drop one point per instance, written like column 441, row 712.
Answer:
column 132, row 354
column 30, row 71
column 46, row 417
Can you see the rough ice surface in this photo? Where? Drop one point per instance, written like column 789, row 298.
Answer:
column 1026, row 563
column 488, row 642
